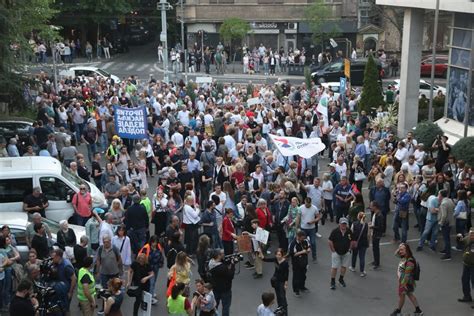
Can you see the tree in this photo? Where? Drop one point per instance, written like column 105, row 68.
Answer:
column 371, row 90
column 426, row 132
column 464, row 150
column 18, row 20
column 233, row 29
column 319, row 16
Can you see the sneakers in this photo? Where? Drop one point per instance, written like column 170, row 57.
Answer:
column 375, row 267
column 433, row 249
column 455, row 249
column 418, row 312
column 446, row 258
column 297, row 294
column 257, row 275
column 442, row 252
column 419, row 248
column 396, row 312
column 342, row 283
column 333, row 285
column 315, row 260
column 305, row 290
column 363, row 274
column 319, row 235
column 154, row 301
column 248, row 265
column 352, row 269
column 465, row 300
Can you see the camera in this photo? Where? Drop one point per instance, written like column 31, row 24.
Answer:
column 233, row 258
column 47, row 299
column 196, row 293
column 103, row 293
column 47, row 269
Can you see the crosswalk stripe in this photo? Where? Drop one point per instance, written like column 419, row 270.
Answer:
column 130, row 67
column 143, row 67
column 107, row 65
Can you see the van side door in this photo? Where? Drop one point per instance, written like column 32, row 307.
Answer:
column 56, row 191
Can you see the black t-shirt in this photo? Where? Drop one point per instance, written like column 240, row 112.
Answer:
column 443, row 154
column 96, row 166
column 40, row 244
column 139, row 272
column 41, row 135
column 79, row 254
column 342, row 243
column 90, row 135
column 21, row 306
column 32, row 201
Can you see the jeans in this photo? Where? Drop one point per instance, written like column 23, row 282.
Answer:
column 226, row 298
column 328, row 205
column 361, row 252
column 445, row 230
column 376, row 250
column 228, row 247
column 397, row 223
column 137, row 239
column 341, row 211
column 417, row 211
column 467, row 280
column 78, row 128
column 280, row 294
column 7, row 286
column 460, row 229
column 430, row 226
column 103, row 141
column 2, row 300
column 91, row 149
column 422, row 215
column 153, row 279
column 81, row 221
column 311, row 233
column 137, row 303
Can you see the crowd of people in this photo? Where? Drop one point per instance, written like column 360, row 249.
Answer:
column 215, row 176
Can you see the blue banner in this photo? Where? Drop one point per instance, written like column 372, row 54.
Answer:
column 130, row 123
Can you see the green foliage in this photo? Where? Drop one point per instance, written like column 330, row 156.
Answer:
column 249, row 90
column 307, row 77
column 18, row 19
column 279, row 92
column 220, row 87
column 423, row 109
column 233, row 29
column 426, row 132
column 190, row 90
column 464, row 149
column 96, row 11
column 317, row 15
column 371, row 92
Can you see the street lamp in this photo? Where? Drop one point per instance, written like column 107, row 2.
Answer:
column 164, row 6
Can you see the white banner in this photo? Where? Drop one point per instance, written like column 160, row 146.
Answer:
column 306, row 148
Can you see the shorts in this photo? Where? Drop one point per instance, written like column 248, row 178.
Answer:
column 338, row 260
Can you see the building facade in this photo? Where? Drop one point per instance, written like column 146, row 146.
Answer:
column 274, row 23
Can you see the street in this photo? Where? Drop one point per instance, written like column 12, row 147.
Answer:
column 376, row 294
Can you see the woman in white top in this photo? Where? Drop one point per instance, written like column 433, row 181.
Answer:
column 122, row 242
column 420, row 155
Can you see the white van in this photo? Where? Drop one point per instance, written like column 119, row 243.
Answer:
column 19, row 175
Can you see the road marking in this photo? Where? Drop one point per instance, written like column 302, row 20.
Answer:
column 130, row 67
column 157, row 68
column 143, row 67
column 391, row 243
column 107, row 65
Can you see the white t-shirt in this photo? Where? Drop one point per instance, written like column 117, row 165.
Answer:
column 419, row 157
column 327, row 185
column 264, row 311
column 307, row 215
column 342, row 170
column 413, row 169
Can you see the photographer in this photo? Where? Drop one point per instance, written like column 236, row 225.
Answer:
column 441, row 144
column 114, row 301
column 299, row 249
column 86, row 288
column 65, row 277
column 22, row 304
column 221, row 280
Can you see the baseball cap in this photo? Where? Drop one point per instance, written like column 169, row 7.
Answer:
column 343, row 220
column 332, row 164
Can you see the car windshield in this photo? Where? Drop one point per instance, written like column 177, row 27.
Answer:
column 103, row 72
column 53, row 226
column 77, row 181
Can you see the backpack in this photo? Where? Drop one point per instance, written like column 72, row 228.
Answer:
column 416, row 270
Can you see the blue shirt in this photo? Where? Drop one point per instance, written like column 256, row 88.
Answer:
column 382, row 197
column 432, row 203
column 360, row 150
column 344, row 192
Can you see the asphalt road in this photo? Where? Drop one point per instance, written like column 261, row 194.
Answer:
column 376, row 294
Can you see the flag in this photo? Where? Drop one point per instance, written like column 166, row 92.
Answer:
column 289, row 146
column 322, row 108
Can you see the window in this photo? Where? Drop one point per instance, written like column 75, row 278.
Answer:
column 54, row 189
column 424, row 86
column 15, row 190
column 335, row 67
column 20, row 236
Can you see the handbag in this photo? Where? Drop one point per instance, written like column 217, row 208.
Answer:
column 359, row 176
column 273, row 281
column 462, row 215
column 134, row 291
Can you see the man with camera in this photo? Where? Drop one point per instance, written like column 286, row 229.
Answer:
column 65, row 278
column 86, row 288
column 222, row 274
column 23, row 304
column 298, row 251
column 441, row 144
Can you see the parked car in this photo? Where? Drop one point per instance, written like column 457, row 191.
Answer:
column 441, row 66
column 139, row 34
column 20, row 127
column 332, row 71
column 335, row 87
column 18, row 222
column 119, row 43
column 88, row 72
column 20, row 175
column 425, row 88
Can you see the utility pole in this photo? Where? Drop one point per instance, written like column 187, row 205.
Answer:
column 164, row 6
column 433, row 61
column 181, row 4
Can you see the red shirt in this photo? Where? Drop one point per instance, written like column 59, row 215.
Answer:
column 227, row 229
column 82, row 204
column 264, row 217
column 239, row 177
